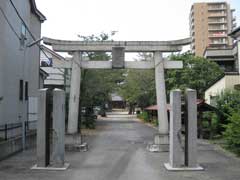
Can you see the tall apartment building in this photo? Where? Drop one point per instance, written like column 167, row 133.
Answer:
column 210, row 24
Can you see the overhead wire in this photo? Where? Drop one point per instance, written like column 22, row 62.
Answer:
column 26, row 26
column 10, row 25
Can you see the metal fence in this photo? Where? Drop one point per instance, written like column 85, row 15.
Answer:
column 12, row 130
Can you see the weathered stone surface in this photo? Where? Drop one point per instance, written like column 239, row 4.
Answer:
column 41, row 129
column 74, row 94
column 58, row 127
column 161, row 94
column 130, row 46
column 191, row 129
column 175, row 158
column 118, row 56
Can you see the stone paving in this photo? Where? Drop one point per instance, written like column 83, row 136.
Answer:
column 118, row 152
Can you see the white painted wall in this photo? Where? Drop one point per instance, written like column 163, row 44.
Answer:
column 16, row 64
column 231, row 81
column 226, row 83
column 215, row 89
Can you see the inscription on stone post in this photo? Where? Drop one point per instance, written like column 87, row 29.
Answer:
column 191, row 128
column 118, row 56
column 175, row 129
column 58, row 127
column 43, row 128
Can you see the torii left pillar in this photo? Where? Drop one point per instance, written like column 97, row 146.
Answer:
column 74, row 98
column 162, row 137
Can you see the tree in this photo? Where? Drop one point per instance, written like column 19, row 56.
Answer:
column 232, row 132
column 96, row 85
column 197, row 73
column 139, row 88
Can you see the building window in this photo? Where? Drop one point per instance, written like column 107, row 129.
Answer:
column 26, row 91
column 21, row 90
column 23, row 36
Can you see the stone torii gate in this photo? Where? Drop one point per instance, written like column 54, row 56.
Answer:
column 118, row 49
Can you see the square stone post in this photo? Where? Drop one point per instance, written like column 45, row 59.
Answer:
column 191, row 128
column 42, row 160
column 175, row 156
column 43, row 131
column 161, row 99
column 74, row 93
column 58, row 127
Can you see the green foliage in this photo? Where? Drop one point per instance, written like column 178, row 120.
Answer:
column 143, row 116
column 210, row 124
column 139, row 85
column 139, row 88
column 197, row 73
column 88, row 118
column 232, row 132
column 228, row 102
column 96, row 85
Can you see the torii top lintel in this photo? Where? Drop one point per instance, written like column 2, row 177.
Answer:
column 106, row 46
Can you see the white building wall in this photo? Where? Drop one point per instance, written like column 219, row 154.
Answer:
column 16, row 64
column 226, row 83
column 231, row 81
column 214, row 90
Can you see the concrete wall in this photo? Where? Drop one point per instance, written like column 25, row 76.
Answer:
column 232, row 80
column 215, row 89
column 226, row 83
column 17, row 63
column 13, row 146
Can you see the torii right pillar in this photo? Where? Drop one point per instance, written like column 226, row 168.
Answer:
column 162, row 138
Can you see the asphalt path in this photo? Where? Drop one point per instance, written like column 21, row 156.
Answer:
column 117, row 151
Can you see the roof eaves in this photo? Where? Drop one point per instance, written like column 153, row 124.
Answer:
column 34, row 9
column 44, row 73
column 44, row 48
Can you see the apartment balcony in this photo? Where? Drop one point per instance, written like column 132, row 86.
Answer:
column 193, row 40
column 217, row 15
column 217, row 29
column 192, row 25
column 217, row 22
column 234, row 25
column 234, row 18
column 217, row 8
column 193, row 45
column 192, row 33
column 219, row 43
column 217, row 35
column 192, row 20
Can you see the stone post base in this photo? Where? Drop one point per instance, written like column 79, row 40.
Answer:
column 161, row 139
column 75, row 142
column 182, row 168
column 160, row 144
column 51, row 168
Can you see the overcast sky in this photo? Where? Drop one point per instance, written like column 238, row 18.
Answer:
column 147, row 20
column 133, row 19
